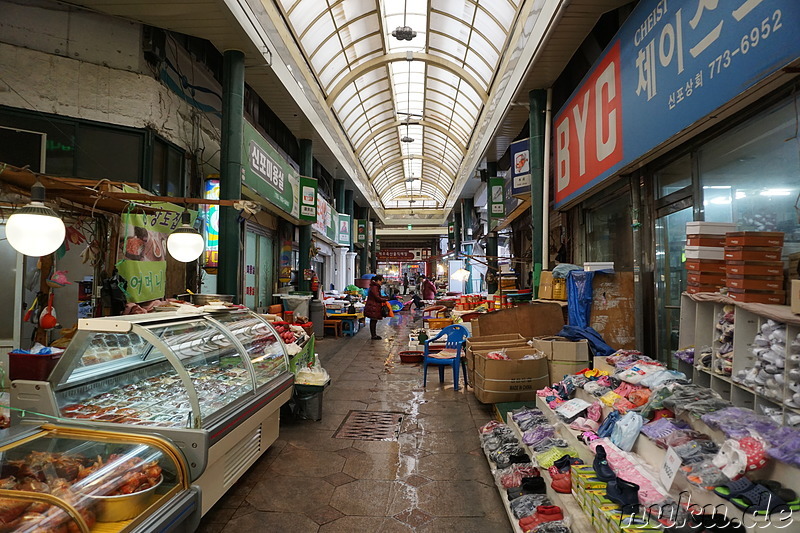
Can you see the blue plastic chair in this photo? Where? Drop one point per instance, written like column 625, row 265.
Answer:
column 456, row 336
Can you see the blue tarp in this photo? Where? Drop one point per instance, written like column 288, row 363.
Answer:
column 596, row 342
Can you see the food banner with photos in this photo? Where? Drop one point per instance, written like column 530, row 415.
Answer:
column 144, row 249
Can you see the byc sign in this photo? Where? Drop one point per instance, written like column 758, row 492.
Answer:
column 589, row 129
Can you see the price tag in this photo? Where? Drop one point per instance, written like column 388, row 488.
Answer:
column 672, row 462
column 572, row 408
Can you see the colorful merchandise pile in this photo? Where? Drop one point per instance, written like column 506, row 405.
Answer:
column 519, row 479
column 642, row 396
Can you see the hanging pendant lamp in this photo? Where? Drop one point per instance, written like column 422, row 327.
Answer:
column 185, row 244
column 35, row 230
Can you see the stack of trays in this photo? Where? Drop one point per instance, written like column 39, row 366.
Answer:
column 754, row 270
column 705, row 255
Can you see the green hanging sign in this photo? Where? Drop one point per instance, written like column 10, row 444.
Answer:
column 361, row 231
column 266, row 172
column 308, row 198
column 497, row 208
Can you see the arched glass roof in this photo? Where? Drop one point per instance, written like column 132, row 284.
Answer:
column 408, row 106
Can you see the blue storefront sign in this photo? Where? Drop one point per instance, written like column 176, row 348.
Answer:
column 671, row 64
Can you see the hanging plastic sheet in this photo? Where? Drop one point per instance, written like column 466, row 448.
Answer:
column 596, row 343
column 579, row 297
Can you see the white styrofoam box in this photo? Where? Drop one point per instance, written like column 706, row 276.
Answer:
column 601, row 265
column 709, row 228
column 705, row 252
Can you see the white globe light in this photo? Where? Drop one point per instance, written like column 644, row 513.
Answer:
column 35, row 230
column 185, row 244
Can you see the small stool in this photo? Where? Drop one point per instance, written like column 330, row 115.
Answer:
column 349, row 327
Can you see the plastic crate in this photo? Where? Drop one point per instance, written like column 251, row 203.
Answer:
column 35, row 367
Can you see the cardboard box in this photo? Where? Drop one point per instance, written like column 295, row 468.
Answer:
column 561, row 349
column 709, row 267
column 715, row 241
column 742, row 268
column 514, row 380
column 760, row 255
column 545, row 285
column 775, row 297
column 532, row 320
column 694, row 289
column 559, row 369
column 754, row 238
column 794, row 265
column 709, row 228
column 703, row 252
column 702, row 278
column 755, row 284
column 795, row 296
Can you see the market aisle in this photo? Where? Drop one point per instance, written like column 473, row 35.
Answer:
column 434, row 478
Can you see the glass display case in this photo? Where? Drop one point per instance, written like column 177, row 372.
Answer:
column 68, row 480
column 198, row 379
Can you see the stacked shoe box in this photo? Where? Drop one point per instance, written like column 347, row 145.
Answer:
column 705, row 255
column 754, row 270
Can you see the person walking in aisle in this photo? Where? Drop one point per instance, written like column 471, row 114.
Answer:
column 405, row 284
column 428, row 288
column 373, row 307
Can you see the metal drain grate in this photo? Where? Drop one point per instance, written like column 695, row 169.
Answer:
column 370, row 425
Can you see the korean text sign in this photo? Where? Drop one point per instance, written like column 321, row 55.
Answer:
column 520, row 167
column 144, row 249
column 266, row 172
column 672, row 63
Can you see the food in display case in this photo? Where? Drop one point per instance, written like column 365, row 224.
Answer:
column 62, row 480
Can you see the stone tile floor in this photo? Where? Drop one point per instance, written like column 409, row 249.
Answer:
column 433, row 478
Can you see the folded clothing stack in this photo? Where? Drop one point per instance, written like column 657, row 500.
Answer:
column 766, row 376
column 723, row 343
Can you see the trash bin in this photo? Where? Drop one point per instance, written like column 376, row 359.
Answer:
column 318, row 317
column 308, row 399
column 296, row 303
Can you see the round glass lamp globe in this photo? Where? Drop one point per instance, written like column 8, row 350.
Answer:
column 35, row 234
column 185, row 244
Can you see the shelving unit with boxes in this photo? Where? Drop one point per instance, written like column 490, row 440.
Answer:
column 774, row 391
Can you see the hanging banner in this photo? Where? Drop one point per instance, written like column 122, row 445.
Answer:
column 266, row 172
column 144, row 249
column 285, row 272
column 497, row 208
column 451, row 231
column 343, row 233
column 212, row 226
column 520, row 167
column 394, row 255
column 361, row 230
column 670, row 65
column 510, row 201
column 323, row 219
column 308, row 198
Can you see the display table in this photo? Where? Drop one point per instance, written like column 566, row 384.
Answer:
column 350, row 322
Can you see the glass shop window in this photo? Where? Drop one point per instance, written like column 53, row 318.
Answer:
column 168, row 169
column 751, row 174
column 60, row 145
column 608, row 233
column 109, row 153
column 674, row 177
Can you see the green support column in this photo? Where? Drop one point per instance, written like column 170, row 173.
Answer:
column 348, row 208
column 493, row 266
column 374, row 246
column 363, row 258
column 231, row 171
column 538, row 101
column 338, row 194
column 306, row 169
column 457, row 233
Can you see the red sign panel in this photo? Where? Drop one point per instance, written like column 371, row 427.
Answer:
column 395, row 255
column 588, row 129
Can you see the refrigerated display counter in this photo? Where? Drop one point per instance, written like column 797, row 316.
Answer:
column 70, row 480
column 212, row 383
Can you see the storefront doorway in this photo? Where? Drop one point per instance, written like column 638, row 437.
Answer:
column 259, row 261
column 670, row 275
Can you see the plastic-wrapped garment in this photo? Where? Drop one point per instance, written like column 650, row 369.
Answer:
column 626, row 430
column 562, row 271
column 597, row 345
column 579, row 299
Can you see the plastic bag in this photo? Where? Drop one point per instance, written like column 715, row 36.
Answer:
column 313, row 375
column 626, row 430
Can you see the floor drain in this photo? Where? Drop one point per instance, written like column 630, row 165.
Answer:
column 370, row 425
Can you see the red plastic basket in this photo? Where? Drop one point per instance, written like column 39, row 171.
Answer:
column 411, row 357
column 35, row 367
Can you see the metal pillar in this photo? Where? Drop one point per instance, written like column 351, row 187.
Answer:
column 538, row 101
column 231, row 171
column 338, row 194
column 304, row 260
column 363, row 212
column 348, row 208
column 457, row 233
column 374, row 246
column 638, row 284
column 493, row 264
